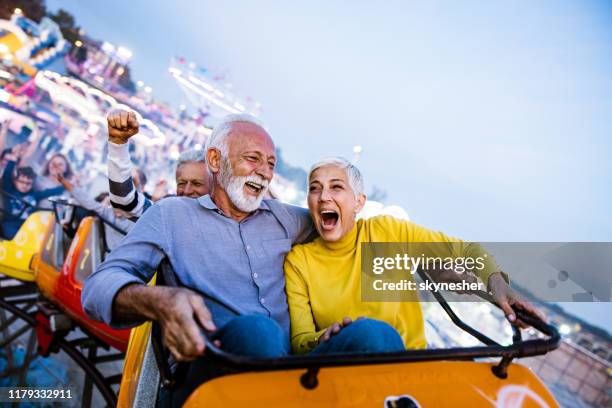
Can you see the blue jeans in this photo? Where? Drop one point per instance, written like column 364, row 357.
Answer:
column 253, row 336
column 363, row 336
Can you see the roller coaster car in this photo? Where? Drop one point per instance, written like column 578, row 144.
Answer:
column 48, row 261
column 16, row 254
column 85, row 254
column 413, row 378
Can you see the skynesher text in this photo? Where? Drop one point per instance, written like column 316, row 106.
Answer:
column 405, row 284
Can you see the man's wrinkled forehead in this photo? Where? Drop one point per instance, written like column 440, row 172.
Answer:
column 248, row 136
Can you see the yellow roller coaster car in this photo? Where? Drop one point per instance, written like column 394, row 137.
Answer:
column 16, row 254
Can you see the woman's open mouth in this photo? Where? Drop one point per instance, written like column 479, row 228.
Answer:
column 329, row 219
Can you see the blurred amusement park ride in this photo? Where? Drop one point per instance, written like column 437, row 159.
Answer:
column 43, row 267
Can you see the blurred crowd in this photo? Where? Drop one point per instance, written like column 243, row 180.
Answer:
column 53, row 142
column 40, row 159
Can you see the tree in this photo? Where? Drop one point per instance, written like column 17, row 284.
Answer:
column 32, row 9
column 67, row 25
column 80, row 55
column 125, row 80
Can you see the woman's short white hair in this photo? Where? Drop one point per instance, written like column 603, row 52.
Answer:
column 218, row 138
column 352, row 172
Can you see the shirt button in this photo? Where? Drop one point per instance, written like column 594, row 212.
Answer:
column 248, row 247
column 262, row 300
column 255, row 275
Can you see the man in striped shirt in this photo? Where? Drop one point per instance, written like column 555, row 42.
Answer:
column 126, row 193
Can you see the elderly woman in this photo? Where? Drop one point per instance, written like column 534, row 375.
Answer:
column 323, row 277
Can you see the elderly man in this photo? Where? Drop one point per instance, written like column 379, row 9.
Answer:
column 227, row 247
column 192, row 178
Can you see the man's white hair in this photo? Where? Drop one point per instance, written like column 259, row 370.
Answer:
column 352, row 172
column 218, row 138
column 191, row 156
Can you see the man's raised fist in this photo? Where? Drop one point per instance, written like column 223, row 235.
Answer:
column 121, row 126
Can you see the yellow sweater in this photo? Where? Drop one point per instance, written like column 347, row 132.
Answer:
column 324, row 282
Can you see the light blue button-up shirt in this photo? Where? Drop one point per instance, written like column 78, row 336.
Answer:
column 236, row 264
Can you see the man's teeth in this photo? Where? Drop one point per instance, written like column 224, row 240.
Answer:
column 254, row 185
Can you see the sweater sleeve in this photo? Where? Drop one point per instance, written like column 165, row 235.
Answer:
column 304, row 336
column 104, row 211
column 438, row 244
column 85, row 201
column 49, row 192
column 123, row 194
column 7, row 177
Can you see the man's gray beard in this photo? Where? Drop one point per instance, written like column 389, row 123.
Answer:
column 234, row 187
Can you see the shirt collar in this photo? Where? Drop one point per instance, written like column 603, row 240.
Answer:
column 207, row 202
